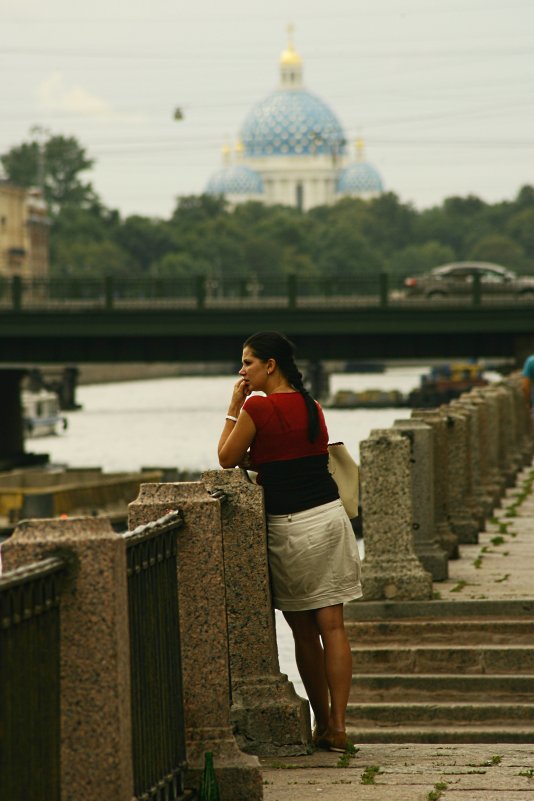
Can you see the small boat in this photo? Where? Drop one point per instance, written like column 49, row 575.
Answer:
column 445, row 383
column 40, row 413
column 441, row 385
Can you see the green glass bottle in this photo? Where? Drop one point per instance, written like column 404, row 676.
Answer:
column 209, row 789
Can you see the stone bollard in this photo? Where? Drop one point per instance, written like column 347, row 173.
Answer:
column 461, row 519
column 482, row 503
column 496, row 483
column 508, row 463
column 428, row 550
column 445, row 535
column 204, row 638
column 391, row 569
column 525, row 443
column 487, row 445
column 269, row 717
column 515, row 444
column 95, row 716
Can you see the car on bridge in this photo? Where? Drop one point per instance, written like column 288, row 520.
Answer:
column 456, row 279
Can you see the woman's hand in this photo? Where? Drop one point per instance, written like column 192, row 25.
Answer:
column 239, row 395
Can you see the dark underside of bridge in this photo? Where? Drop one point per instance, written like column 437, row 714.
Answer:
column 217, row 335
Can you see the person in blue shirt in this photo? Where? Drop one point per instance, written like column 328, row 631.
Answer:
column 528, row 380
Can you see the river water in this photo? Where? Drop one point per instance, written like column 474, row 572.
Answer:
column 176, row 422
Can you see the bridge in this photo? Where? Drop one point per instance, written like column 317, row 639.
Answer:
column 134, row 320
column 185, row 320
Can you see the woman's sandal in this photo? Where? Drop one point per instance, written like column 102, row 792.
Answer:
column 334, row 741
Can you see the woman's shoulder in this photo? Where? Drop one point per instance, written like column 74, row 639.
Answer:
column 256, row 402
column 258, row 406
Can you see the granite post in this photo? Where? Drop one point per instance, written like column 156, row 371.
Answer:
column 482, row 502
column 461, row 518
column 391, row 569
column 496, row 480
column 487, row 439
column 269, row 717
column 508, row 462
column 204, row 637
column 428, row 549
column 445, row 535
column 515, row 445
column 95, row 715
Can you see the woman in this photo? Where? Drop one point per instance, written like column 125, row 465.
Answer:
column 313, row 557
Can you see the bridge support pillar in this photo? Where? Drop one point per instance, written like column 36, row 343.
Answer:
column 318, row 380
column 12, row 452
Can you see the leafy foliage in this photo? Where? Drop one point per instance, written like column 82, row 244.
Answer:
column 253, row 242
column 54, row 165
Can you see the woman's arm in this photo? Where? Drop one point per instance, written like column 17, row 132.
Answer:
column 235, row 440
column 237, row 436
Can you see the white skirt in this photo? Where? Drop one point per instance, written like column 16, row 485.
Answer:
column 313, row 558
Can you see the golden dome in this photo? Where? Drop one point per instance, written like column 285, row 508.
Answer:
column 290, row 57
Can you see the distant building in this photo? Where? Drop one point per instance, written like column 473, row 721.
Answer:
column 24, row 232
column 292, row 150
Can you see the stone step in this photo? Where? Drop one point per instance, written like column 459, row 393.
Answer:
column 442, row 687
column 492, row 659
column 439, row 609
column 462, row 630
column 441, row 734
column 427, row 714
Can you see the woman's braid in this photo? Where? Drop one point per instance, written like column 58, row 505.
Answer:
column 294, row 376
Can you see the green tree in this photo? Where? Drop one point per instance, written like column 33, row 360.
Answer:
column 90, row 260
column 500, row 250
column 54, row 165
column 420, row 258
column 520, row 226
column 192, row 209
column 178, row 265
column 145, row 240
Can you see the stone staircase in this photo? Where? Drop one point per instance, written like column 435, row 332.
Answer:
column 442, row 672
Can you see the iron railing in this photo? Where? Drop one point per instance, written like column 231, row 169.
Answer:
column 158, row 733
column 29, row 682
column 360, row 290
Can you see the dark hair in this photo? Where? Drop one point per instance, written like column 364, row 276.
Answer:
column 272, row 345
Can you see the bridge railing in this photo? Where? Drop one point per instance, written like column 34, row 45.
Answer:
column 232, row 291
column 196, row 292
column 30, row 681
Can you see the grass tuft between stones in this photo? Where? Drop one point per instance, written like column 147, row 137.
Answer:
column 436, row 793
column 370, row 773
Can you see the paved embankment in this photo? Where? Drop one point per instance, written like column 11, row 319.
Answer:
column 497, row 573
column 405, row 773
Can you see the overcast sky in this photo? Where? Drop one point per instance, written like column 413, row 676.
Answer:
column 442, row 91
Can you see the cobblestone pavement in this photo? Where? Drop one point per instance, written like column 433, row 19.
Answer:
column 405, row 773
column 500, row 566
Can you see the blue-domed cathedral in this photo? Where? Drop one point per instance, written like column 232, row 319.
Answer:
column 292, row 150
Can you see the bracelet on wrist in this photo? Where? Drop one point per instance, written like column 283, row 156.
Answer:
column 231, row 417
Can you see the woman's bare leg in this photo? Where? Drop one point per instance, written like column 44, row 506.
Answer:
column 337, row 662
column 310, row 660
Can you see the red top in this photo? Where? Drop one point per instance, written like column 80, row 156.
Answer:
column 292, row 470
column 281, row 421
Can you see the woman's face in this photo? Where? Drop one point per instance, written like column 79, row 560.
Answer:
column 254, row 371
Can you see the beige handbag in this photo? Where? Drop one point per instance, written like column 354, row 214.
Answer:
column 346, row 474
